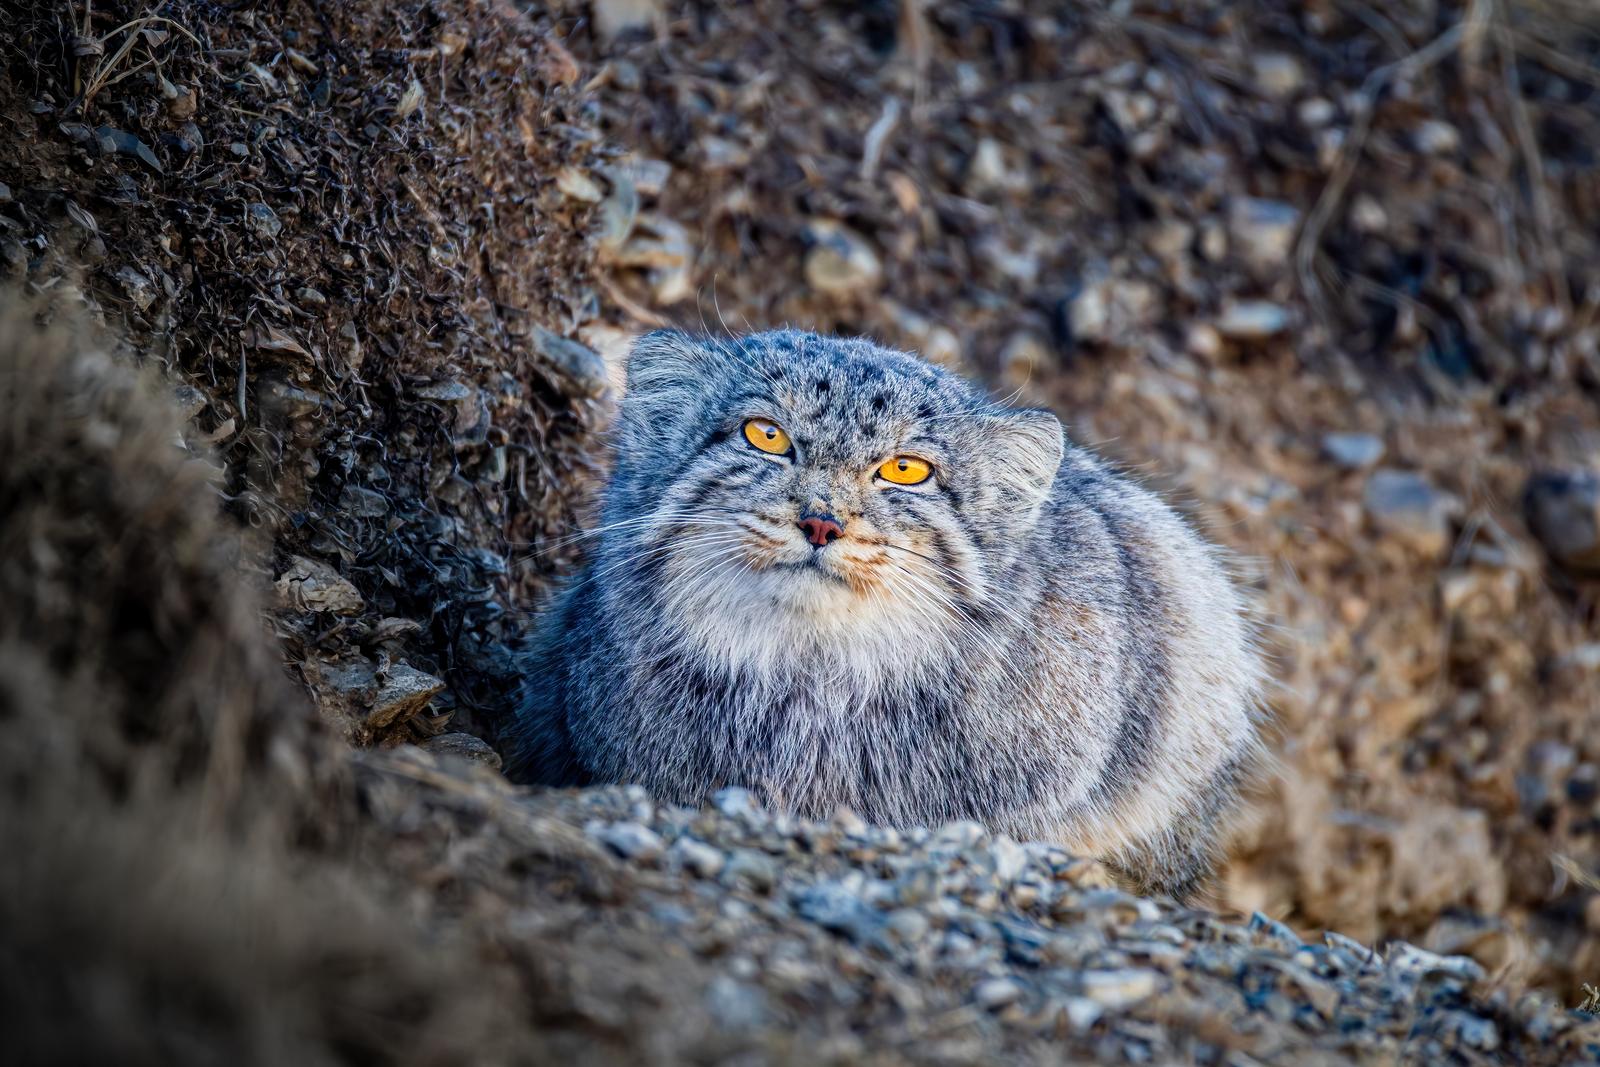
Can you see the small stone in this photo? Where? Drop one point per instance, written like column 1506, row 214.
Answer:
column 962, row 834
column 285, row 401
column 446, row 392
column 1252, row 320
column 1203, row 340
column 737, row 803
column 1010, row 859
column 1112, row 309
column 113, row 141
column 834, row 906
column 1367, row 215
column 190, row 401
column 995, row 993
column 736, row 1006
column 1316, row 112
column 1262, row 232
column 618, row 213
column 5, row 193
column 615, row 18
column 697, row 857
column 630, row 840
column 577, row 361
column 1563, row 510
column 463, row 746
column 238, row 149
column 310, row 585
column 846, row 821
column 183, row 104
column 841, row 262
column 1406, row 506
column 1116, row 990
column 1352, row 451
column 1080, row 1013
column 404, row 692
column 1277, row 75
column 363, row 503
column 262, row 221
column 140, row 289
column 988, row 168
column 579, row 186
column 1436, row 138
column 908, row 925
column 752, row 868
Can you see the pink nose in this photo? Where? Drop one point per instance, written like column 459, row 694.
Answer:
column 820, row 529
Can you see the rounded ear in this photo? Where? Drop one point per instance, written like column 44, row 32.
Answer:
column 667, row 375
column 1031, row 445
column 663, row 359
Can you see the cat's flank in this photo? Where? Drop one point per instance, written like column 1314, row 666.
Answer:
column 836, row 574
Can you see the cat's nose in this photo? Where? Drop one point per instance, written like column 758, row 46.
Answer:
column 820, row 529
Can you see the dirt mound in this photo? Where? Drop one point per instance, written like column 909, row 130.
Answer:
column 340, row 226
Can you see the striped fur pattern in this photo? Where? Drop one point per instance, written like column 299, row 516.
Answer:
column 1027, row 639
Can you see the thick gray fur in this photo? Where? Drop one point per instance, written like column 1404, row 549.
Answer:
column 1028, row 639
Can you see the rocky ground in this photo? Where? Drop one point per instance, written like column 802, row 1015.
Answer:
column 1327, row 272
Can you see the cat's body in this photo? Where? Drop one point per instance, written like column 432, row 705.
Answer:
column 1023, row 638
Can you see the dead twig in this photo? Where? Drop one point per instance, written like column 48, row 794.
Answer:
column 1533, row 164
column 1309, row 243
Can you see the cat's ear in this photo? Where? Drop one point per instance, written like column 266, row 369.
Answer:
column 667, row 360
column 667, row 373
column 1029, row 447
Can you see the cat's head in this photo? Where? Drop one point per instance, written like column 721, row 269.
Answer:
column 805, row 487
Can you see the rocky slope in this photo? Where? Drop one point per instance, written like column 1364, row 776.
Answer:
column 1328, row 272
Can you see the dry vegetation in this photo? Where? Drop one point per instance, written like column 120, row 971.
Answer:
column 1329, row 269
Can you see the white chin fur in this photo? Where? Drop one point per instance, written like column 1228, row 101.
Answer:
column 761, row 614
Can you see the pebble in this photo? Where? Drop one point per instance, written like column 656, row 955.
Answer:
column 1277, row 75
column 835, row 906
column 1262, row 232
column 1112, row 309
column 403, row 692
column 1407, row 506
column 262, row 221
column 581, row 365
column 1352, row 451
column 363, row 503
column 750, row 868
column 840, row 261
column 697, row 857
column 311, row 585
column 736, row 1006
column 995, row 993
column 1116, row 990
column 630, row 840
column 140, row 289
column 737, row 803
column 1436, row 138
column 1563, row 510
column 1252, row 320
column 463, row 746
column 615, row 18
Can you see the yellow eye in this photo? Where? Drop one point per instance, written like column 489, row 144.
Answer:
column 906, row 470
column 767, row 436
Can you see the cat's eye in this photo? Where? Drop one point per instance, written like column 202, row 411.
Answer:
column 768, row 436
column 906, row 470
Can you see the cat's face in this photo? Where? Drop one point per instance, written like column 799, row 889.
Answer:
column 790, row 489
